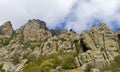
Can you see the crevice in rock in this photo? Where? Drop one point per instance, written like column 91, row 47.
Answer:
column 84, row 48
column 92, row 37
column 119, row 39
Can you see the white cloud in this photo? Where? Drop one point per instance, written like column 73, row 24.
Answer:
column 79, row 13
column 51, row 11
column 87, row 10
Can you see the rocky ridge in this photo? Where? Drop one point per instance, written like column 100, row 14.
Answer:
column 97, row 46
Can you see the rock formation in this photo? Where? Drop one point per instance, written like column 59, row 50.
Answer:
column 6, row 29
column 35, row 30
column 97, row 46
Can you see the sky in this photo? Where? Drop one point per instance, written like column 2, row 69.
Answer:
column 66, row 14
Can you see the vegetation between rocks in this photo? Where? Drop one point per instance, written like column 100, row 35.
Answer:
column 45, row 63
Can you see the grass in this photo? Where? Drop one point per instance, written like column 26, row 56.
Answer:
column 88, row 68
column 45, row 63
column 114, row 66
column 68, row 62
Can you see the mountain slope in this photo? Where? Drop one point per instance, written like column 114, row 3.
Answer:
column 34, row 48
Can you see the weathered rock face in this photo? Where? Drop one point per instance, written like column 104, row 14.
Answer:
column 100, row 44
column 97, row 46
column 35, row 30
column 104, row 28
column 6, row 29
column 8, row 67
column 87, row 41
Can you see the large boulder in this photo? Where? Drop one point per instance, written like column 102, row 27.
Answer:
column 87, row 42
column 104, row 28
column 20, row 66
column 35, row 30
column 8, row 67
column 6, row 29
column 100, row 45
column 105, row 39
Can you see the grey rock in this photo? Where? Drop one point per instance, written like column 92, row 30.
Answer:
column 8, row 67
column 35, row 30
column 6, row 29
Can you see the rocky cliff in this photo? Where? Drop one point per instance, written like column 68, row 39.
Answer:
column 21, row 47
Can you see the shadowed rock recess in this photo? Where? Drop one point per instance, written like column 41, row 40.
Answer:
column 35, row 48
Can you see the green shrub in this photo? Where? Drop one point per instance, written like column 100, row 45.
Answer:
column 31, row 68
column 7, row 40
column 35, row 44
column 114, row 66
column 31, row 58
column 102, row 49
column 78, row 48
column 25, row 56
column 56, row 40
column 1, row 70
column 56, row 61
column 15, row 59
column 68, row 62
column 46, row 65
column 88, row 67
column 39, row 60
column 33, row 64
column 62, row 39
column 38, row 65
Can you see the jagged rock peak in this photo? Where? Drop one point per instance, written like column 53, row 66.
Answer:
column 34, row 22
column 35, row 30
column 8, row 23
column 105, row 28
column 95, row 28
column 6, row 29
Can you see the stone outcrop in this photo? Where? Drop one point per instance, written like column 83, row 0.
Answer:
column 8, row 67
column 87, row 41
column 100, row 44
column 35, row 30
column 97, row 46
column 6, row 29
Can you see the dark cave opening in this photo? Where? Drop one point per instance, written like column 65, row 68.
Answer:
column 118, row 36
column 84, row 48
